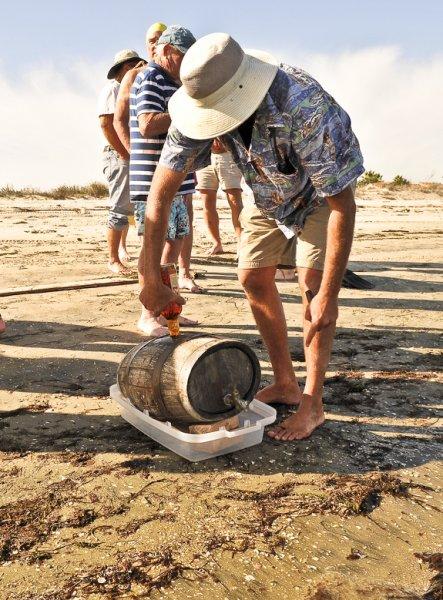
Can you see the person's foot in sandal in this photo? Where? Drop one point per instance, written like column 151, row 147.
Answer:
column 185, row 282
column 285, row 275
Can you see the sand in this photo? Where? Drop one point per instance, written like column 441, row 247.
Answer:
column 90, row 508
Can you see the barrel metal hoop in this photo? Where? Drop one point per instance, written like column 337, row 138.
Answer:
column 127, row 361
column 157, row 373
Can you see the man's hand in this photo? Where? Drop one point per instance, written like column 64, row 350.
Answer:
column 156, row 298
column 321, row 312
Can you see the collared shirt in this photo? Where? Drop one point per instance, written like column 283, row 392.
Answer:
column 302, row 149
column 150, row 93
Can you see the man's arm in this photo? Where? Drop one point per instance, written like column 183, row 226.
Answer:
column 152, row 124
column 121, row 114
column 323, row 307
column 107, row 125
column 165, row 184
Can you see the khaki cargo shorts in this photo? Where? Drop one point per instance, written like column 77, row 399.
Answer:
column 263, row 244
column 221, row 172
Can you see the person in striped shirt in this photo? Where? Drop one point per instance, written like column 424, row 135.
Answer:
column 148, row 125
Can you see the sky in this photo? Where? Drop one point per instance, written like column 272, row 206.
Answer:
column 381, row 59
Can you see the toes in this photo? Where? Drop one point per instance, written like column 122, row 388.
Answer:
column 277, row 433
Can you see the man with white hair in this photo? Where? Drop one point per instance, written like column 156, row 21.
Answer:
column 295, row 148
column 121, row 114
column 148, row 124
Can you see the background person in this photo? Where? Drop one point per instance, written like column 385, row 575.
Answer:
column 116, row 160
column 149, row 123
column 224, row 173
column 121, row 114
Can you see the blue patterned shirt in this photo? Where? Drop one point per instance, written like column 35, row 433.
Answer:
column 302, row 149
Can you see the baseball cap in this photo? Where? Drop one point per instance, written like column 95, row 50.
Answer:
column 178, row 36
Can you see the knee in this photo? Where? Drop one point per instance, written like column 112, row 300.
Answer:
column 253, row 281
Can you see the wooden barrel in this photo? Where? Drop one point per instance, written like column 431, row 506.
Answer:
column 193, row 378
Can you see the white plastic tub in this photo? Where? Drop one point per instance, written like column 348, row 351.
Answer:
column 199, row 446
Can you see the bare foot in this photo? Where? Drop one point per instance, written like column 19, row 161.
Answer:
column 119, row 268
column 216, row 249
column 186, row 282
column 124, row 256
column 300, row 425
column 181, row 321
column 152, row 327
column 2, row 326
column 290, row 394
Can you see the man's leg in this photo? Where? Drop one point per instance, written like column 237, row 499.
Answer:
column 210, row 217
column 114, row 263
column 185, row 280
column 117, row 173
column 262, row 247
column 267, row 309
column 148, row 323
column 178, row 230
column 311, row 248
column 123, row 251
column 236, row 204
column 310, row 414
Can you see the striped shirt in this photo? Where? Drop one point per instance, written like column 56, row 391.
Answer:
column 150, row 93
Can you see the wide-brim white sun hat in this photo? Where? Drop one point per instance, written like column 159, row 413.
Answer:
column 222, row 86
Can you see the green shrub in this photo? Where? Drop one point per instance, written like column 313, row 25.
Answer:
column 370, row 177
column 400, row 180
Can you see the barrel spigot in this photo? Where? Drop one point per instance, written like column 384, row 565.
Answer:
column 235, row 400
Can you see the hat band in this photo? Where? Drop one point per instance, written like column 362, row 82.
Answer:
column 226, row 88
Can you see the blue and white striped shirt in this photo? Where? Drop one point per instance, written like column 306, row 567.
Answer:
column 150, row 93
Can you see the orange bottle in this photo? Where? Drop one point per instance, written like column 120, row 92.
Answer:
column 172, row 310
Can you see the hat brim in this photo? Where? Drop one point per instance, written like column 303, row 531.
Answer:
column 115, row 68
column 200, row 122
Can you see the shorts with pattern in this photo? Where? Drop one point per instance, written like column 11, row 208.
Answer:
column 221, row 172
column 178, row 223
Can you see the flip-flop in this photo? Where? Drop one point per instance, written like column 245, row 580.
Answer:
column 285, row 275
column 353, row 281
column 196, row 288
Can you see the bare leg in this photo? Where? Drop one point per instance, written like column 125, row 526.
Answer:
column 114, row 264
column 2, row 325
column 267, row 309
column 236, row 204
column 210, row 217
column 171, row 252
column 148, row 323
column 310, row 414
column 122, row 251
column 185, row 280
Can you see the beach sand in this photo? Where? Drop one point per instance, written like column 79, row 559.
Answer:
column 91, row 508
